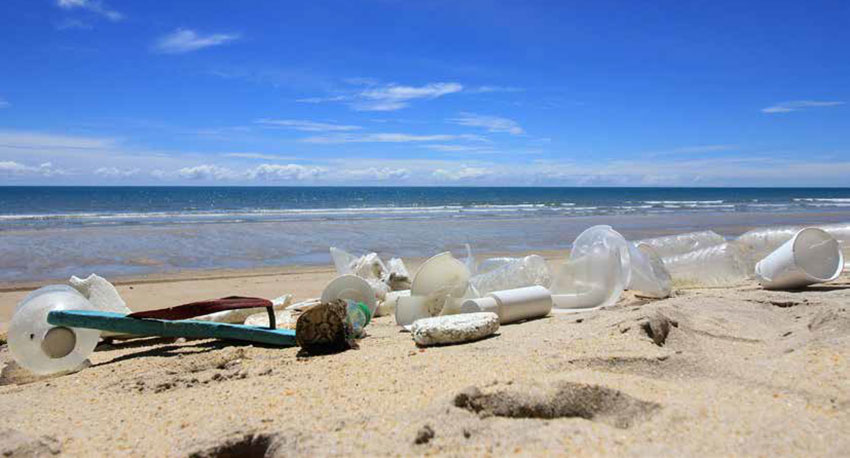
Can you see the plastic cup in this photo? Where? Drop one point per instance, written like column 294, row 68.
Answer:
column 351, row 287
column 811, row 256
column 513, row 305
column 411, row 308
column 649, row 276
column 45, row 349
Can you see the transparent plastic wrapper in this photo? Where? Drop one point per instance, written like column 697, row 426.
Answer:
column 719, row 265
column 841, row 233
column 672, row 245
column 811, row 256
column 649, row 276
column 516, row 273
column 596, row 273
column 397, row 276
column 45, row 349
column 366, row 266
column 493, row 263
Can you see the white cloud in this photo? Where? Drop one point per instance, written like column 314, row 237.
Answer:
column 95, row 6
column 787, row 107
column 307, row 126
column 284, row 172
column 4, row 103
column 16, row 168
column 461, row 173
column 31, row 140
column 390, row 97
column 268, row 157
column 115, row 172
column 186, row 40
column 381, row 174
column 491, row 123
column 394, row 97
column 486, row 89
column 206, row 172
column 457, row 148
column 380, row 138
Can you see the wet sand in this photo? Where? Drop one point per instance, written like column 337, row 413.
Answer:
column 720, row 371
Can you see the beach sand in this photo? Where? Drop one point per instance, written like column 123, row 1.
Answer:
column 720, row 371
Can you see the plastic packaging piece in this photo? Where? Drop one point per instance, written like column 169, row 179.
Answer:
column 470, row 261
column 352, row 288
column 672, row 245
column 388, row 305
column 343, row 260
column 101, row 293
column 811, row 256
column 596, row 274
column 513, row 305
column 760, row 242
column 490, row 264
column 367, row 266
column 720, row 265
column 649, row 276
column 240, row 316
column 517, row 273
column 44, row 349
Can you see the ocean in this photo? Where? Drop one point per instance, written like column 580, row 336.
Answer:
column 54, row 232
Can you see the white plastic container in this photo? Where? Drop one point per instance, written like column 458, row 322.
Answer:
column 841, row 232
column 811, row 256
column 513, row 305
column 45, row 349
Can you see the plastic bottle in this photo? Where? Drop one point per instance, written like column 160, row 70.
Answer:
column 515, row 273
column 358, row 316
column 672, row 245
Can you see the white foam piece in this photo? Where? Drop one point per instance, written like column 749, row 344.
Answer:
column 102, row 294
column 454, row 329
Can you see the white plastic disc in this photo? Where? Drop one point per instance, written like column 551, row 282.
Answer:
column 353, row 288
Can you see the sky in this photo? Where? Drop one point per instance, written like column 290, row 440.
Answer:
column 421, row 93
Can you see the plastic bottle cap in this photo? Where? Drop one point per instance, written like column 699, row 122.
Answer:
column 482, row 304
column 365, row 309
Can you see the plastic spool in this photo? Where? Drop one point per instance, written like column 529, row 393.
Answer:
column 811, row 256
column 351, row 287
column 45, row 349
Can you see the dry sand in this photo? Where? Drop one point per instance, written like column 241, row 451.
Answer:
column 735, row 371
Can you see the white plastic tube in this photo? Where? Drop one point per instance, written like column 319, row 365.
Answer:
column 719, row 265
column 45, row 349
column 437, row 289
column 513, row 305
column 811, row 256
column 672, row 245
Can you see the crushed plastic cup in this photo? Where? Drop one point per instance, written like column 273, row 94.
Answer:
column 514, row 273
column 513, row 305
column 45, row 349
column 437, row 289
column 649, row 276
column 596, row 273
column 719, row 265
column 353, row 288
column 388, row 305
column 672, row 245
column 811, row 256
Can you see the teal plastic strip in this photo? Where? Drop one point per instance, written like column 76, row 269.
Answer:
column 116, row 322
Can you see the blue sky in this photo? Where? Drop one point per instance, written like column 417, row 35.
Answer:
column 666, row 93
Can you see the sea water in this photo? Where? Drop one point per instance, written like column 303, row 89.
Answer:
column 55, row 232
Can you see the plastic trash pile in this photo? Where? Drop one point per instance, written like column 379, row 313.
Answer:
column 446, row 301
